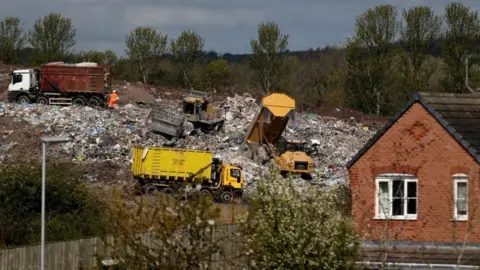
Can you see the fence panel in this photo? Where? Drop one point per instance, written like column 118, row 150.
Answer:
column 82, row 254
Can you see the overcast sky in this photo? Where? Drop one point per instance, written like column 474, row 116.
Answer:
column 226, row 25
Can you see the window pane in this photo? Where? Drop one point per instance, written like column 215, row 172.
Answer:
column 461, row 207
column 461, row 190
column 398, row 191
column 412, row 189
column 398, row 208
column 383, row 201
column 412, row 206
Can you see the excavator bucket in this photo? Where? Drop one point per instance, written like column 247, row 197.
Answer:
column 161, row 120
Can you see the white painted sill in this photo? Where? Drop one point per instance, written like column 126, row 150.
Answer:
column 408, row 218
column 461, row 218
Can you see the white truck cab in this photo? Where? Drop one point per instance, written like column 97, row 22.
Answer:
column 22, row 80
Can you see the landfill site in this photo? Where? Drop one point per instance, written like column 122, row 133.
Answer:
column 103, row 138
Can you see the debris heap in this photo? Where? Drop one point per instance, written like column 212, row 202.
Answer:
column 104, row 135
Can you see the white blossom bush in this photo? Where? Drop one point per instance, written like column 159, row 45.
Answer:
column 292, row 224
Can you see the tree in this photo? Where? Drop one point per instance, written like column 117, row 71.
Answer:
column 181, row 233
column 52, row 37
column 216, row 74
column 458, row 41
column 106, row 57
column 12, row 40
column 369, row 56
column 145, row 46
column 268, row 59
column 420, row 29
column 72, row 211
column 187, row 52
column 294, row 225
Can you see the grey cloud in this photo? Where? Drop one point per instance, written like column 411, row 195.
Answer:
column 226, row 25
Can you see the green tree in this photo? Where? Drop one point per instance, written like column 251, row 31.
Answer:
column 216, row 74
column 420, row 29
column 72, row 211
column 458, row 41
column 106, row 57
column 187, row 52
column 145, row 46
column 52, row 37
column 369, row 56
column 268, row 59
column 12, row 39
column 294, row 225
column 321, row 78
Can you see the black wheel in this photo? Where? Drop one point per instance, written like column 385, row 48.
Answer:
column 23, row 99
column 94, row 102
column 78, row 101
column 168, row 191
column 306, row 176
column 42, row 100
column 206, row 193
column 150, row 189
column 226, row 197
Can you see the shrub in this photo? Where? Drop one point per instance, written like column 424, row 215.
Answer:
column 294, row 225
column 72, row 212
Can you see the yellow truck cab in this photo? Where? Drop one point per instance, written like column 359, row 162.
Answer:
column 169, row 169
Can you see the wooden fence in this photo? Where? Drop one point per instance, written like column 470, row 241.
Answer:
column 86, row 253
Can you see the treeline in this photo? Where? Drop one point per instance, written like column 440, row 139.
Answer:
column 376, row 71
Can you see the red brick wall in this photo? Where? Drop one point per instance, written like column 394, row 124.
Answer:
column 416, row 144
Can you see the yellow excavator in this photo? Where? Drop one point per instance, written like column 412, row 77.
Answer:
column 266, row 131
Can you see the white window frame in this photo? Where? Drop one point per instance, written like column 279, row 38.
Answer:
column 459, row 178
column 389, row 178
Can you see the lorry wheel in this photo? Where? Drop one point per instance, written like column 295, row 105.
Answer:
column 42, row 100
column 168, row 191
column 226, row 197
column 150, row 189
column 78, row 101
column 206, row 193
column 94, row 102
column 23, row 99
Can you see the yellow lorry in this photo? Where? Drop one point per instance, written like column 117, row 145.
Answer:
column 168, row 169
column 266, row 130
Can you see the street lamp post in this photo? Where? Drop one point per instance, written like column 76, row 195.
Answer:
column 45, row 140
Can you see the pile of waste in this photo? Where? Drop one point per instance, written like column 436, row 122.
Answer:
column 108, row 135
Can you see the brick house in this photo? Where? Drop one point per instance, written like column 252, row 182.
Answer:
column 416, row 181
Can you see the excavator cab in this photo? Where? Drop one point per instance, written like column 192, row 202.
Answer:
column 290, row 145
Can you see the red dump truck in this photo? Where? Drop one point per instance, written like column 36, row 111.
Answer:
column 59, row 83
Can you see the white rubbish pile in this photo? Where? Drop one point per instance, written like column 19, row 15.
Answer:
column 102, row 135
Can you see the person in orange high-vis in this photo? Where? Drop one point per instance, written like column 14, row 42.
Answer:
column 112, row 101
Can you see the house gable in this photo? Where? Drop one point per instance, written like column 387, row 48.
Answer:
column 429, row 102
